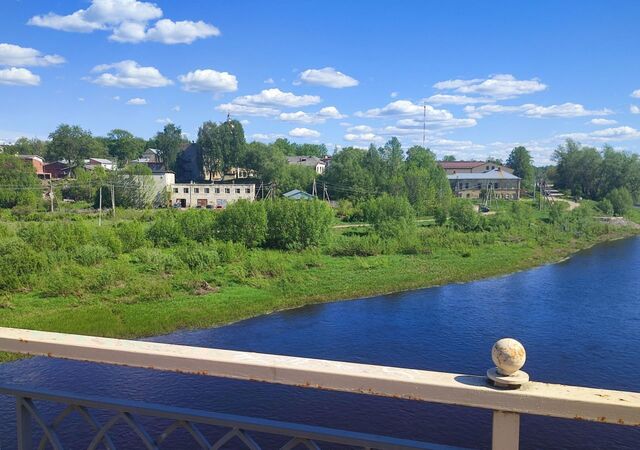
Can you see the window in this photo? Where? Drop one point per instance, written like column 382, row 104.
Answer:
column 466, row 185
column 217, row 190
column 206, row 190
column 196, row 190
column 487, row 167
column 237, row 190
column 175, row 190
column 227, row 191
column 497, row 186
column 185, row 190
column 247, row 191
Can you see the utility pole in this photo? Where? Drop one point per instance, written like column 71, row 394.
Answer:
column 325, row 193
column 113, row 200
column 100, row 208
column 314, row 191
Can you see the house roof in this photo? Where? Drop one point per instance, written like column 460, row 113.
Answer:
column 311, row 161
column 101, row 160
column 490, row 175
column 297, row 193
column 30, row 157
column 460, row 164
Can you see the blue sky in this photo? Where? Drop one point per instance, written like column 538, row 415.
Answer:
column 491, row 74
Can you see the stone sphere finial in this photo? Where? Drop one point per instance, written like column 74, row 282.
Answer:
column 509, row 356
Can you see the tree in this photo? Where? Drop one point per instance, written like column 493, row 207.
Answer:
column 244, row 222
column 621, row 200
column 124, row 146
column 520, row 161
column 20, row 184
column 168, row 142
column 26, row 146
column 449, row 158
column 72, row 143
column 211, row 151
column 347, row 176
column 578, row 169
column 463, row 216
column 390, row 216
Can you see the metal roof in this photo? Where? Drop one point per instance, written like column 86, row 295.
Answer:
column 460, row 164
column 490, row 175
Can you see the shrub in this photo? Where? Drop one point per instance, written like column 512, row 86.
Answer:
column 297, row 224
column 229, row 251
column 390, row 216
column 165, row 231
column 18, row 260
column 370, row 245
column 132, row 235
column 440, row 215
column 197, row 258
column 244, row 222
column 60, row 235
column 197, row 225
column 91, row 254
column 463, row 216
column 155, row 260
column 107, row 237
column 621, row 200
column 606, row 207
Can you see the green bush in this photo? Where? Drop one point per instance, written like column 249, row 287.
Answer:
column 132, row 235
column 244, row 222
column 463, row 216
column 155, row 260
column 91, row 254
column 390, row 216
column 621, row 201
column 298, row 224
column 106, row 236
column 62, row 235
column 229, row 251
column 440, row 215
column 197, row 225
column 18, row 260
column 370, row 245
column 197, row 258
column 165, row 231
column 606, row 207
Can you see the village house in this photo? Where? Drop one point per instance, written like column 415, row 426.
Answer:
column 500, row 183
column 57, row 169
column 313, row 162
column 37, row 163
column 297, row 194
column 92, row 163
column 452, row 167
column 209, row 195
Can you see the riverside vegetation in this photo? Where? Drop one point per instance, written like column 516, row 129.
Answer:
column 154, row 271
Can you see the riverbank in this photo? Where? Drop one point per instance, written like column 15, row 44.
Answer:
column 274, row 281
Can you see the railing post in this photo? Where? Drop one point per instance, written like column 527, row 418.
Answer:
column 23, row 425
column 506, row 431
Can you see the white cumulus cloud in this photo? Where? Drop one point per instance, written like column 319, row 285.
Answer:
column 209, row 80
column 129, row 74
column 501, row 86
column 623, row 133
column 164, row 121
column 452, row 99
column 304, row 133
column 128, row 20
column 328, row 112
column 16, row 56
column 267, row 103
column 136, row 101
column 636, row 93
column 363, row 138
column 565, row 110
column 328, row 77
column 633, row 109
column 602, row 122
column 18, row 77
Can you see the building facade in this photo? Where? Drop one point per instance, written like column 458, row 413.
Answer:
column 498, row 183
column 208, row 195
column 313, row 162
column 453, row 167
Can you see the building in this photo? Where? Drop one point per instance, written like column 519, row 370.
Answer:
column 92, row 163
column 57, row 169
column 500, row 183
column 36, row 162
column 452, row 167
column 313, row 162
column 297, row 194
column 156, row 187
column 209, row 195
column 151, row 159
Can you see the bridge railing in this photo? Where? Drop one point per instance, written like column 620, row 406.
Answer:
column 506, row 390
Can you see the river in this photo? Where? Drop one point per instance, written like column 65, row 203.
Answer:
column 579, row 321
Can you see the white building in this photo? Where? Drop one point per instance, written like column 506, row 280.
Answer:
column 92, row 163
column 203, row 195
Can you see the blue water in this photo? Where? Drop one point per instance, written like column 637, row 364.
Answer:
column 579, row 321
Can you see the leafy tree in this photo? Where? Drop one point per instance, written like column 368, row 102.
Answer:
column 578, row 169
column 231, row 141
column 390, row 216
column 520, row 161
column 296, row 177
column 211, row 151
column 347, row 177
column 19, row 183
column 449, row 158
column 74, row 144
column 621, row 200
column 267, row 161
column 26, row 146
column 463, row 216
column 297, row 224
column 168, row 142
column 124, row 146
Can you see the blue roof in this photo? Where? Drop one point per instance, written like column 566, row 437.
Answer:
column 297, row 194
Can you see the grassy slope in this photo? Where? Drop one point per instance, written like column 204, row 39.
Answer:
column 327, row 279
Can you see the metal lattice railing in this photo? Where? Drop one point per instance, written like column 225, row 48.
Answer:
column 505, row 389
column 207, row 430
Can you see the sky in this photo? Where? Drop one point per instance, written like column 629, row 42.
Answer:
column 481, row 77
